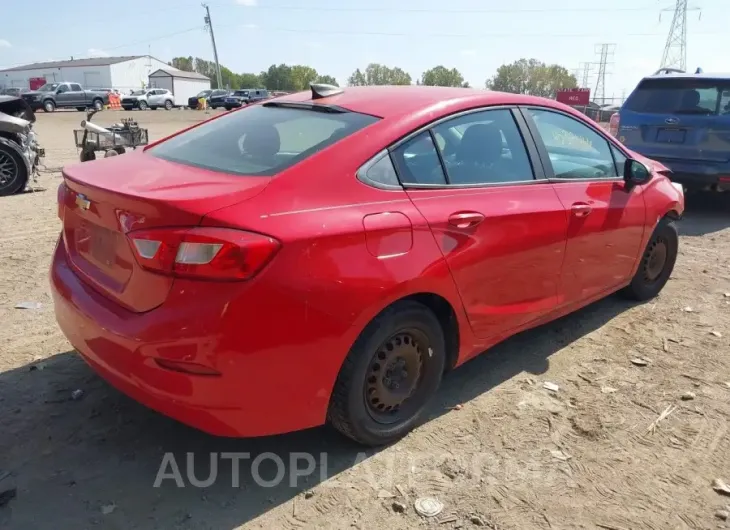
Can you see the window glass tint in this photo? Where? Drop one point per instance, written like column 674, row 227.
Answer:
column 62, row 89
column 483, row 148
column 620, row 159
column 383, row 172
column 76, row 87
column 675, row 96
column 575, row 150
column 260, row 140
column 418, row 162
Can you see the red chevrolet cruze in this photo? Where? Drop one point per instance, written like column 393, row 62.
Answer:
column 326, row 256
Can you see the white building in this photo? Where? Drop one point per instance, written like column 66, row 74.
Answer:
column 123, row 73
column 183, row 85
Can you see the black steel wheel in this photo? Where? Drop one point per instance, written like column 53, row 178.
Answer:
column 657, row 263
column 13, row 172
column 389, row 375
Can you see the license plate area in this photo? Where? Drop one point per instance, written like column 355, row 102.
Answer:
column 102, row 245
column 671, row 135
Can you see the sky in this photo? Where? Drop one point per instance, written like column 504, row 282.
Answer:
column 474, row 36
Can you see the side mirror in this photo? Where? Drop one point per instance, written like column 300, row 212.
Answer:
column 636, row 173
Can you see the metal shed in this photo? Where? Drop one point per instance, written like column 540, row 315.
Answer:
column 182, row 84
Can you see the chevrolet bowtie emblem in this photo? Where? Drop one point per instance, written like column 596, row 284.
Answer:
column 82, row 202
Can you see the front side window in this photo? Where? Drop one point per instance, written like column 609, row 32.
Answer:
column 483, row 148
column 62, row 89
column 575, row 150
column 260, row 140
column 48, row 87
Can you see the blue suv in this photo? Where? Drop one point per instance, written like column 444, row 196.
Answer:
column 683, row 121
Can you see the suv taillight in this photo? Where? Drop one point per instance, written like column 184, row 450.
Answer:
column 613, row 124
column 203, row 253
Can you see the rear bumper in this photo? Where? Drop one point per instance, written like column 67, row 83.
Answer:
column 270, row 382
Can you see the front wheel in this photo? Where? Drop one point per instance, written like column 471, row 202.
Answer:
column 49, row 106
column 657, row 263
column 143, row 105
column 13, row 172
column 389, row 375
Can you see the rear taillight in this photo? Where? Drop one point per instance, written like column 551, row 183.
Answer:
column 61, row 198
column 613, row 124
column 203, row 253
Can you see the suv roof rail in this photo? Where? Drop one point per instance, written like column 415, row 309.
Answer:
column 321, row 90
column 669, row 71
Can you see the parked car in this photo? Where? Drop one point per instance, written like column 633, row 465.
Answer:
column 52, row 96
column 217, row 98
column 151, row 98
column 326, row 256
column 207, row 94
column 15, row 92
column 683, row 121
column 245, row 96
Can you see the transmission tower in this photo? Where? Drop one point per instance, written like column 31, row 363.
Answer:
column 605, row 51
column 586, row 74
column 675, row 50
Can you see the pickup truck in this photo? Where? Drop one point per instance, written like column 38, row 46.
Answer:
column 52, row 96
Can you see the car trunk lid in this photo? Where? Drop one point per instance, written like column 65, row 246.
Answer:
column 106, row 199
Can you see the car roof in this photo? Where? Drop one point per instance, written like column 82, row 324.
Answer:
column 397, row 101
column 702, row 75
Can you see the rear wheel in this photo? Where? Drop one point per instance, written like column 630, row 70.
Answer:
column 98, row 104
column 168, row 105
column 657, row 263
column 389, row 375
column 13, row 172
column 228, row 108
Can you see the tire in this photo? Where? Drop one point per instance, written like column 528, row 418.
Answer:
column 49, row 105
column 98, row 104
column 228, row 108
column 363, row 405
column 143, row 105
column 168, row 105
column 13, row 172
column 657, row 263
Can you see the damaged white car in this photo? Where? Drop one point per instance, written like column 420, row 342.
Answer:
column 20, row 153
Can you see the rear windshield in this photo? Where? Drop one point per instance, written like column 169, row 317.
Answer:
column 680, row 96
column 260, row 140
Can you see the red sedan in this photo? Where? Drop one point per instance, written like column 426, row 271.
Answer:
column 325, row 257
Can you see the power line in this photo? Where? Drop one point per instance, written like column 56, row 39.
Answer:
column 452, row 35
column 675, row 50
column 605, row 51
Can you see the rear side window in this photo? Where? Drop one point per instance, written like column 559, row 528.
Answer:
column 260, row 140
column 677, row 96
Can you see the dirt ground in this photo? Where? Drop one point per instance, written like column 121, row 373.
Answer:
column 498, row 450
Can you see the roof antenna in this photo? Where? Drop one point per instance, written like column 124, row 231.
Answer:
column 321, row 90
column 699, row 70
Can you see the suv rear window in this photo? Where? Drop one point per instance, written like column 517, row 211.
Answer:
column 678, row 96
column 260, row 140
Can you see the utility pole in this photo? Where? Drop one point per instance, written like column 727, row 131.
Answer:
column 605, row 51
column 209, row 24
column 675, row 50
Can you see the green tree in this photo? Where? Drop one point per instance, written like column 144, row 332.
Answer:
column 182, row 63
column 327, row 80
column 302, row 76
column 379, row 74
column 442, row 76
column 278, row 77
column 248, row 80
column 532, row 77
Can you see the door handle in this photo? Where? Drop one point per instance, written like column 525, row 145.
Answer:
column 581, row 209
column 465, row 219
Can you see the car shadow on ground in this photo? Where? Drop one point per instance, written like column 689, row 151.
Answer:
column 78, row 458
column 705, row 213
